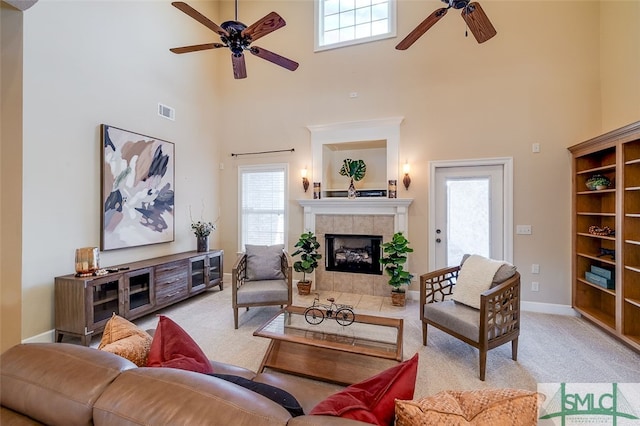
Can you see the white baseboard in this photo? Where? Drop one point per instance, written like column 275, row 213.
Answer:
column 413, row 295
column 46, row 337
column 543, row 308
column 548, row 308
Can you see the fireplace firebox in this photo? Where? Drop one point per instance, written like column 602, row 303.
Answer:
column 353, row 253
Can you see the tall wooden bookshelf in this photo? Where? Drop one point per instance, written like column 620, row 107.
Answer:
column 615, row 155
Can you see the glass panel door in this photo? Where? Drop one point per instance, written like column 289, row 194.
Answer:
column 468, row 215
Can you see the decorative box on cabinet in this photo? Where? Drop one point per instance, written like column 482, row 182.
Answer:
column 615, row 155
column 83, row 305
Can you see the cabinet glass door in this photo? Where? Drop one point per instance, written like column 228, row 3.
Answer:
column 138, row 288
column 198, row 273
column 215, row 271
column 104, row 298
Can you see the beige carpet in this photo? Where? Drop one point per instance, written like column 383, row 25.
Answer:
column 552, row 348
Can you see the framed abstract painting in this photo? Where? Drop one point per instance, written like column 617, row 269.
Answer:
column 137, row 173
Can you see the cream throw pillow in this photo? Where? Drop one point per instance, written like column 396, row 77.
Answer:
column 475, row 277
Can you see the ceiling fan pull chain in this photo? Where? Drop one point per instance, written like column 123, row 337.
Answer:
column 466, row 26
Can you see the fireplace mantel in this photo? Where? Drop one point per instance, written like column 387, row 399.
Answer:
column 396, row 207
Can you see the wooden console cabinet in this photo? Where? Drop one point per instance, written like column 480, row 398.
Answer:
column 606, row 233
column 83, row 305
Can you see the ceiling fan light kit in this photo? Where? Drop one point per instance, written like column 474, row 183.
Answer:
column 472, row 13
column 237, row 37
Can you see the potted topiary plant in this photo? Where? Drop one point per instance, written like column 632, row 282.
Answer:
column 309, row 256
column 393, row 259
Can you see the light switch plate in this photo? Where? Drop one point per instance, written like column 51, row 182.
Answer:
column 523, row 229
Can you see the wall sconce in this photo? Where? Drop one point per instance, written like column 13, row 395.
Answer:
column 305, row 181
column 406, row 180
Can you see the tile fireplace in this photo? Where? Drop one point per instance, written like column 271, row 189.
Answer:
column 360, row 217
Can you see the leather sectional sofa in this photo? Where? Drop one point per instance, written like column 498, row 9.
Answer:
column 66, row 384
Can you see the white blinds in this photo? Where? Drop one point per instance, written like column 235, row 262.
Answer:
column 262, row 204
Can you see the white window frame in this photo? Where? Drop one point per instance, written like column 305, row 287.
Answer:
column 319, row 29
column 284, row 167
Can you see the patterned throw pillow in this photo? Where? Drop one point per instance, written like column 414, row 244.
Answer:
column 478, row 407
column 124, row 338
column 264, row 262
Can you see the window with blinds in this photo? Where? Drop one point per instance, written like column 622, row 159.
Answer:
column 263, row 191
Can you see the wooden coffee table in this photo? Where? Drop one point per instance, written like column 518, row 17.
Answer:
column 329, row 351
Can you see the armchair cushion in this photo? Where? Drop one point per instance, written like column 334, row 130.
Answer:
column 457, row 317
column 266, row 291
column 264, row 262
column 475, row 277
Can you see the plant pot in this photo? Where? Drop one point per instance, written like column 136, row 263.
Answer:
column 351, row 192
column 304, row 287
column 203, row 244
column 398, row 299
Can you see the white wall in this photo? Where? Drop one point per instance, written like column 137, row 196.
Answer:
column 10, row 172
column 93, row 62
column 87, row 63
column 620, row 63
column 537, row 81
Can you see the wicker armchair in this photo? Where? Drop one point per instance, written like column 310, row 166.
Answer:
column 247, row 293
column 494, row 324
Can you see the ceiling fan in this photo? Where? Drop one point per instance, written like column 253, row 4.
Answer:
column 472, row 14
column 237, row 37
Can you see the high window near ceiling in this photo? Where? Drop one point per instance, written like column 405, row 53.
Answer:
column 263, row 193
column 347, row 22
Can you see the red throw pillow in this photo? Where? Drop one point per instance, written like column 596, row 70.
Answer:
column 173, row 347
column 373, row 400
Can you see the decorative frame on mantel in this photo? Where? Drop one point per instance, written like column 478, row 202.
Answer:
column 137, row 189
column 384, row 129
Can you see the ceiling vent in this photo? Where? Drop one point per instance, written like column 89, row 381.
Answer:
column 167, row 112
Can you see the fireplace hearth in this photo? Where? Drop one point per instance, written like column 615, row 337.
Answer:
column 353, row 253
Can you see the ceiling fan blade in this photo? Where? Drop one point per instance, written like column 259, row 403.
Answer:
column 478, row 23
column 274, row 58
column 264, row 26
column 196, row 47
column 239, row 66
column 422, row 28
column 199, row 17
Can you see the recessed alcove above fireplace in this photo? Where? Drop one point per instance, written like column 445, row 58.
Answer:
column 376, row 142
